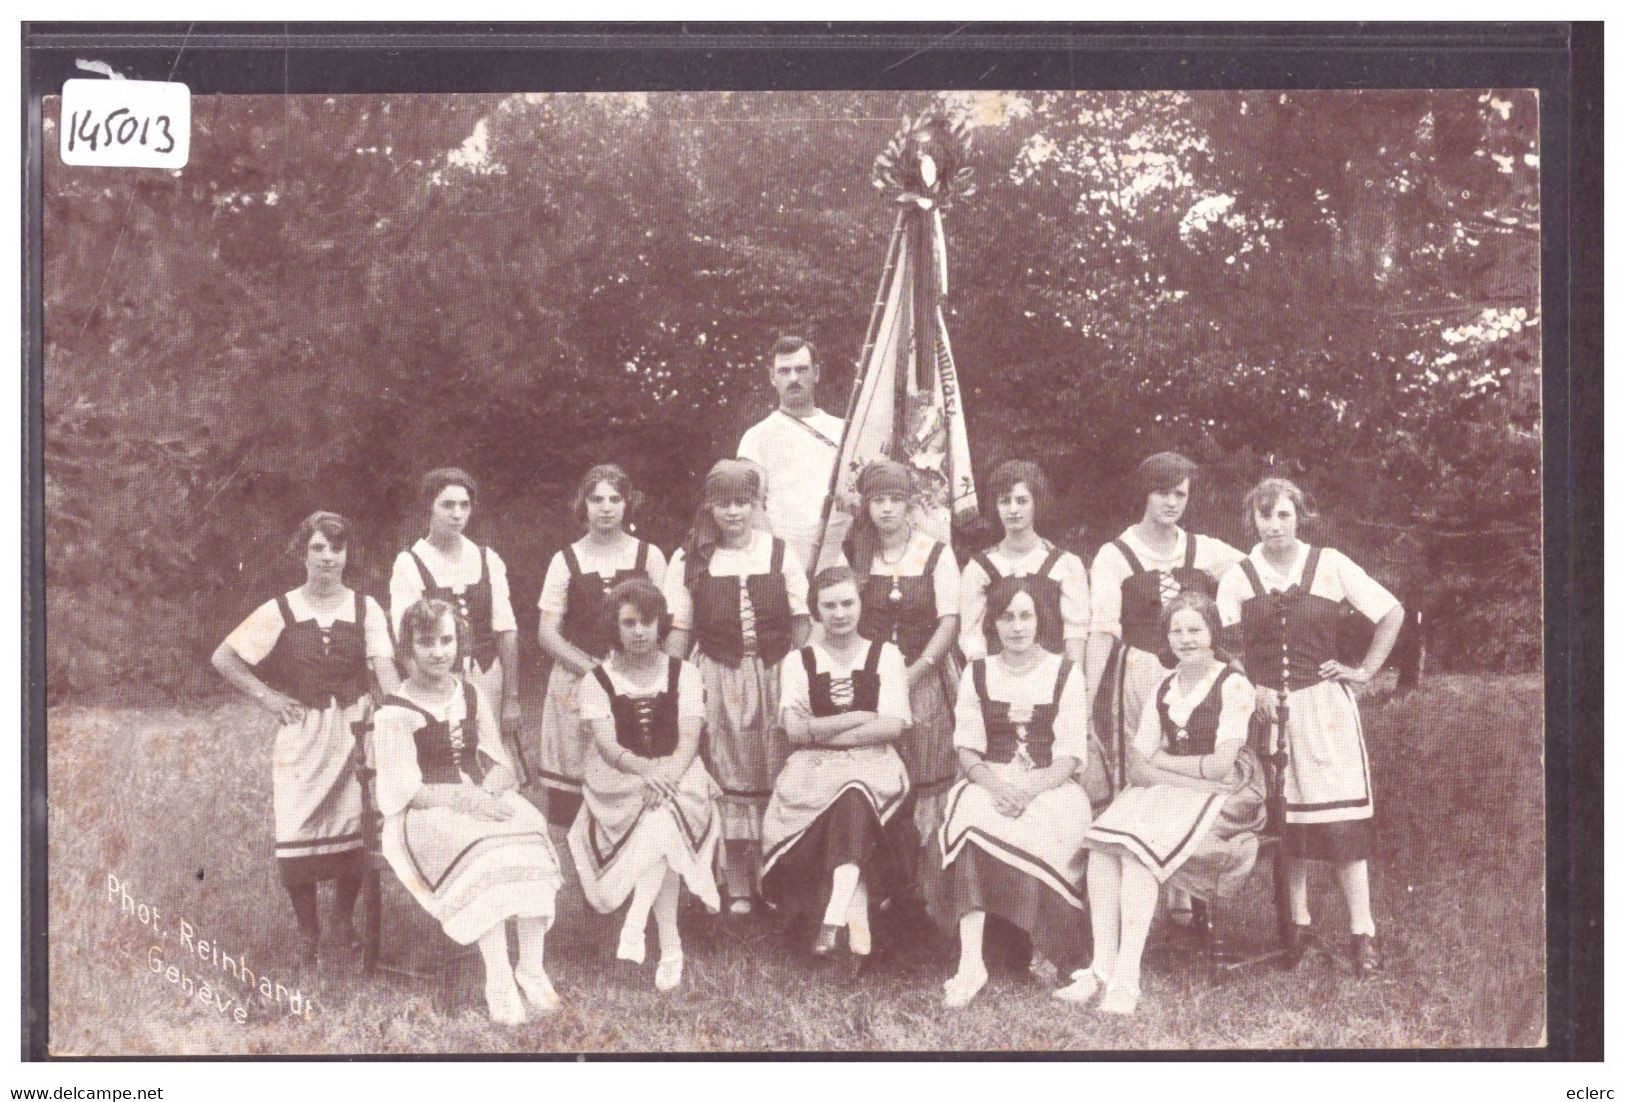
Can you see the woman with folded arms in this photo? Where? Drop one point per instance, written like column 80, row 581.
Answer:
column 835, row 838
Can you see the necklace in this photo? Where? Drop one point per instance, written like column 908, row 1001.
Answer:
column 895, row 596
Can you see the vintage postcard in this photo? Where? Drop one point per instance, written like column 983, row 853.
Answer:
column 794, row 571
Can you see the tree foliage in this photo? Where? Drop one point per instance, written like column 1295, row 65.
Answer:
column 338, row 292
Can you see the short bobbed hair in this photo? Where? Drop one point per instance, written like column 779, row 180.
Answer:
column 334, row 526
column 1161, row 473
column 828, row 578
column 1001, row 594
column 422, row 616
column 1008, row 474
column 1262, row 498
column 789, row 344
column 613, row 474
column 643, row 595
column 433, row 484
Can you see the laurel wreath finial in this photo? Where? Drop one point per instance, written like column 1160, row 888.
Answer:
column 927, row 160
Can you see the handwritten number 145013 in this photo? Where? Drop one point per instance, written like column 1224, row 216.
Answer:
column 120, row 127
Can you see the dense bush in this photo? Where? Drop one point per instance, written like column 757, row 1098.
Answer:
column 339, row 292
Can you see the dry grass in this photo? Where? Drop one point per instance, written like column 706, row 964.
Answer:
column 175, row 802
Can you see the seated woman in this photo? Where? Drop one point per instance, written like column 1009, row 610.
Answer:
column 467, row 846
column 648, row 820
column 1012, row 834
column 1189, row 818
column 832, row 837
column 310, row 658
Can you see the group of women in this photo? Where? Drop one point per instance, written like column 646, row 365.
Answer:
column 1007, row 744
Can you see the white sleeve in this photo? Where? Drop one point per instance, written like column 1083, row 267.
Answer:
column 1233, row 589
column 555, row 595
column 1215, row 556
column 395, row 756
column 1235, row 710
column 591, row 701
column 1363, row 591
column 501, row 608
column 1106, row 579
column 405, row 587
column 1074, row 597
column 973, row 582
column 1072, row 718
column 655, row 566
column 749, row 449
column 376, row 631
column 795, row 581
column 690, row 693
column 945, row 583
column 678, row 600
column 793, row 688
column 254, row 638
column 969, row 734
column 1148, row 735
column 893, row 703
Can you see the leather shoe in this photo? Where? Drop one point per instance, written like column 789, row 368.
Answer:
column 1366, row 961
column 828, row 939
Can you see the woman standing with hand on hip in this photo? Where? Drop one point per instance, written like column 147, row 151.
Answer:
column 740, row 596
column 574, row 628
column 449, row 566
column 310, row 658
column 1288, row 598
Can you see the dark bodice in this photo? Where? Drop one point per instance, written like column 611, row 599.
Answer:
column 447, row 750
column 1201, row 728
column 1287, row 635
column 583, row 624
column 1008, row 740
column 316, row 665
column 900, row 610
column 717, row 626
column 1145, row 592
column 831, row 696
column 647, row 726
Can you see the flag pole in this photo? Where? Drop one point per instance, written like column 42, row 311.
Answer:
column 876, row 312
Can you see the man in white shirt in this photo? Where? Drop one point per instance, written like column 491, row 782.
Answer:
column 797, row 445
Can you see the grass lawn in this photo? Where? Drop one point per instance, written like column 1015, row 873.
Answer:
column 175, row 803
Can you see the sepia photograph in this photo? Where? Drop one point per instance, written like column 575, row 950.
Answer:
column 841, row 571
